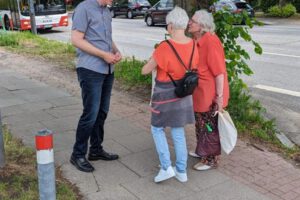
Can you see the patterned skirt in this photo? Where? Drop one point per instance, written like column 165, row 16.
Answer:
column 208, row 139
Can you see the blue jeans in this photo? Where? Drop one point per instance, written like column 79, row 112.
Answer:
column 162, row 147
column 95, row 91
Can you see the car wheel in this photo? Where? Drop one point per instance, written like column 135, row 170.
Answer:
column 6, row 23
column 129, row 14
column 112, row 14
column 149, row 21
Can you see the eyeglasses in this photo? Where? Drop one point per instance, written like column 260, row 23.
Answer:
column 193, row 21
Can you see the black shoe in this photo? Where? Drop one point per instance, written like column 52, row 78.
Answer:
column 82, row 164
column 103, row 155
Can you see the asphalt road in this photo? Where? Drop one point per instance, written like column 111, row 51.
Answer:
column 276, row 79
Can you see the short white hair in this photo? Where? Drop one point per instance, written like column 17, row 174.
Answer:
column 205, row 20
column 178, row 18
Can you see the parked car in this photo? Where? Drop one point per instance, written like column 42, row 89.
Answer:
column 157, row 14
column 129, row 8
column 235, row 6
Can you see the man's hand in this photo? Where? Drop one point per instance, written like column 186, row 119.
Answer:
column 118, row 56
column 110, row 58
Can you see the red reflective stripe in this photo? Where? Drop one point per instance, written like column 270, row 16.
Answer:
column 166, row 101
column 155, row 111
column 44, row 142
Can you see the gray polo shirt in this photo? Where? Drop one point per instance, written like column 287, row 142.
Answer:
column 95, row 22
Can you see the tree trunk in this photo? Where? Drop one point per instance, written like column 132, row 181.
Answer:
column 192, row 5
column 282, row 3
column 188, row 5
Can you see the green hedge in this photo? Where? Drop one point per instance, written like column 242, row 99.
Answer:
column 286, row 11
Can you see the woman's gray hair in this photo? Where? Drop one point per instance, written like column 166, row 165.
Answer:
column 205, row 20
column 178, row 18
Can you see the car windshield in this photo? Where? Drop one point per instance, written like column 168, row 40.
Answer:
column 44, row 7
column 166, row 4
column 142, row 1
column 241, row 5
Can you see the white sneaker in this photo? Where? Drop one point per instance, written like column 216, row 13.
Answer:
column 193, row 154
column 164, row 174
column 202, row 167
column 182, row 177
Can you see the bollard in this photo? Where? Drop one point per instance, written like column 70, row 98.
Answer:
column 45, row 161
column 2, row 153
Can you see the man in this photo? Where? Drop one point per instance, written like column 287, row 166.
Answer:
column 92, row 35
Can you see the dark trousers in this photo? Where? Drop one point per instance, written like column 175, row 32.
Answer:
column 95, row 91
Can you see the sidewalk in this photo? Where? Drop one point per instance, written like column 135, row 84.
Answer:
column 28, row 105
column 279, row 21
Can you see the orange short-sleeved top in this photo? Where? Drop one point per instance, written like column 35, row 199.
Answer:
column 211, row 64
column 167, row 61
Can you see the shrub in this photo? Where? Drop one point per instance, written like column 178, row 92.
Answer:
column 275, row 11
column 286, row 11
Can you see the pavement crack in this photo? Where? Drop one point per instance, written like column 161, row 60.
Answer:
column 130, row 169
column 98, row 186
column 129, row 191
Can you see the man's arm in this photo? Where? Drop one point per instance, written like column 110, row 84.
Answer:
column 78, row 41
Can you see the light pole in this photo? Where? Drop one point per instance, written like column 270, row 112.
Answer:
column 32, row 17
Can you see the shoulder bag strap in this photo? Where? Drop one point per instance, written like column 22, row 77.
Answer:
column 176, row 53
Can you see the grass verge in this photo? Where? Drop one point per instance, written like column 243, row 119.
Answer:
column 31, row 45
column 247, row 113
column 19, row 176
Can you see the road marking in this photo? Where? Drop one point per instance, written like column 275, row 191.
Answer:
column 278, row 90
column 279, row 54
column 156, row 40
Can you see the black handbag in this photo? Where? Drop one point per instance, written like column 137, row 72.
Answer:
column 189, row 82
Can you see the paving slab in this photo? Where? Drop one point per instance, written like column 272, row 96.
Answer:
column 112, row 173
column 229, row 190
column 65, row 101
column 39, row 94
column 28, row 117
column 145, row 188
column 141, row 163
column 136, row 142
column 116, row 193
column 61, row 124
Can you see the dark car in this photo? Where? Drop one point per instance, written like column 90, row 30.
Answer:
column 129, row 8
column 157, row 14
column 235, row 6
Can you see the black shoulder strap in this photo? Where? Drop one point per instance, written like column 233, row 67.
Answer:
column 180, row 60
column 176, row 53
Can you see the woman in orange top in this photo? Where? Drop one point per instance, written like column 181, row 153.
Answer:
column 167, row 109
column 212, row 89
